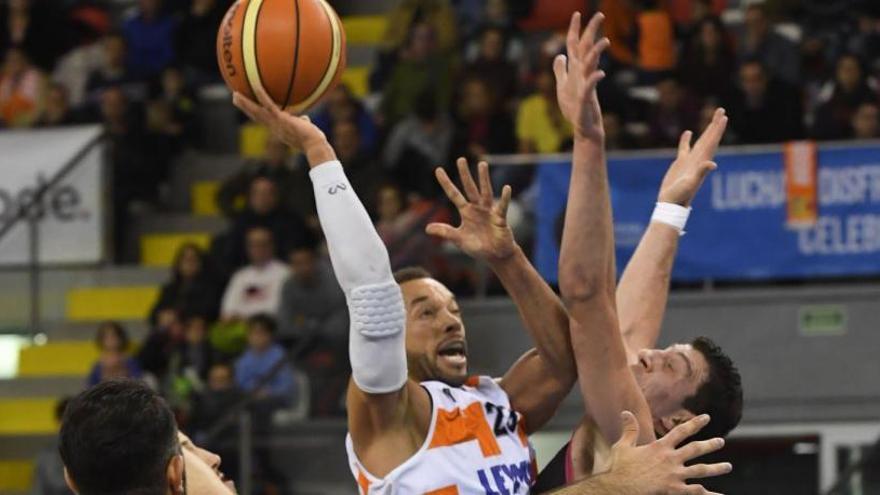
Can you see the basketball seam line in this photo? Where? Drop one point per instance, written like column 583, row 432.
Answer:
column 256, row 49
column 330, row 58
column 295, row 56
column 315, row 95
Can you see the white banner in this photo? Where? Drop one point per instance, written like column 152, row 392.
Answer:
column 71, row 214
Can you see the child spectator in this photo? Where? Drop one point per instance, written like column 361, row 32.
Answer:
column 261, row 359
column 114, row 361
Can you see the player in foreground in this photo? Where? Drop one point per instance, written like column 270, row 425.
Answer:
column 417, row 423
column 619, row 370
column 120, row 437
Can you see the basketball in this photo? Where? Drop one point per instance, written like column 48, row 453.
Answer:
column 294, row 49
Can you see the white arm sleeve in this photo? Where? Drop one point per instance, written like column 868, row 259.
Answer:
column 360, row 262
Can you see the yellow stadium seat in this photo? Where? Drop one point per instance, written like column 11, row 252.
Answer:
column 158, row 250
column 16, row 475
column 204, row 198
column 252, row 140
column 364, row 29
column 27, row 417
column 358, row 80
column 61, row 358
column 110, row 303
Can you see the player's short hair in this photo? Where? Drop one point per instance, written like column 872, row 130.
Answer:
column 118, row 438
column 720, row 396
column 410, row 273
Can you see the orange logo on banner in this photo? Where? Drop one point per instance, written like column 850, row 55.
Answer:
column 801, row 188
column 463, row 425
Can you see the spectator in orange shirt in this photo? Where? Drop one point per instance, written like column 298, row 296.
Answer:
column 21, row 90
column 656, row 46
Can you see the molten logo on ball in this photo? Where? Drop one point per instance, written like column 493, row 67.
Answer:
column 227, row 40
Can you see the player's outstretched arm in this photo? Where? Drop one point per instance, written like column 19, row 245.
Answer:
column 644, row 287
column 586, row 262
column 657, row 468
column 381, row 398
column 541, row 379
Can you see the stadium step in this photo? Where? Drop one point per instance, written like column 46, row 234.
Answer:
column 159, row 250
column 110, row 303
column 364, row 29
column 357, row 80
column 41, row 387
column 30, row 416
column 16, row 476
column 203, row 198
column 61, row 358
column 85, row 330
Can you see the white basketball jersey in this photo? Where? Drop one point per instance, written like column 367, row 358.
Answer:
column 476, row 444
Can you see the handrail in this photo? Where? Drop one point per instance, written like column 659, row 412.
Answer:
column 840, row 487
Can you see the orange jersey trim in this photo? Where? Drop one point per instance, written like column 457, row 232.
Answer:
column 363, row 482
column 459, row 426
column 446, row 490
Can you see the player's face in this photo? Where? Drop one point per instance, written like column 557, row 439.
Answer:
column 667, row 377
column 435, row 337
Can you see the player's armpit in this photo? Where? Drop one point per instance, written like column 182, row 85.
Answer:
column 534, row 390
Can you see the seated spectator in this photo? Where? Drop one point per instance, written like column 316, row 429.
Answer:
column 764, row 110
column 482, row 125
column 342, row 106
column 492, row 65
column 616, row 135
column 689, row 14
column 673, row 113
column 401, row 225
column 255, row 288
column 112, row 71
column 211, row 405
column 274, row 165
column 196, row 40
column 263, row 356
column 422, row 71
column 189, row 362
column 363, row 171
column 192, row 289
column 866, row 122
column 169, row 122
column 48, row 478
column 21, row 90
column 150, row 39
column 165, row 336
column 758, row 42
column 312, row 308
column 708, row 66
column 264, row 209
column 656, row 46
column 620, row 28
column 114, row 361
column 417, row 144
column 437, row 14
column 540, row 127
column 841, row 98
column 57, row 111
column 37, row 28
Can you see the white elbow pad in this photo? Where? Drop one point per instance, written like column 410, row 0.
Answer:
column 377, row 345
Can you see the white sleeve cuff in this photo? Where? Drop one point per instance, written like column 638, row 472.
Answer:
column 672, row 214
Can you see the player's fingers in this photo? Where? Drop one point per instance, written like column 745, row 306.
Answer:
column 592, row 60
column 504, row 202
column 247, row 106
column 693, row 490
column 594, row 78
column 630, row 430
column 697, row 449
column 686, row 429
column 711, row 137
column 589, row 35
column 486, row 193
column 574, row 30
column 559, row 69
column 684, row 143
column 264, row 99
column 705, row 168
column 467, row 181
column 442, row 230
column 707, row 470
column 449, row 188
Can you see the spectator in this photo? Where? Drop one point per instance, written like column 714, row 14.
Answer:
column 263, row 356
column 169, row 122
column 192, row 289
column 35, row 27
column 620, row 29
column 689, row 14
column 111, row 71
column 437, row 14
column 759, row 42
column 264, row 209
column 363, row 171
column 165, row 336
column 212, row 405
column 841, row 98
column 764, row 110
column 196, row 41
column 255, row 288
column 656, row 45
column 150, row 38
column 312, row 309
column 708, row 65
column 866, row 122
column 21, row 90
column 401, row 225
column 48, row 468
column 423, row 71
column 342, row 106
column 616, row 135
column 673, row 113
column 274, row 165
column 417, row 144
column 57, row 111
column 482, row 126
column 188, row 365
column 492, row 65
column 113, row 362
column 540, row 127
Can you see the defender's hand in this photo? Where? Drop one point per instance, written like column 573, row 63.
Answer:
column 690, row 168
column 483, row 232
column 576, row 81
column 659, row 467
column 295, row 131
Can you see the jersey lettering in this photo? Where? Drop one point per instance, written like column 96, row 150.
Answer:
column 504, row 479
column 506, row 420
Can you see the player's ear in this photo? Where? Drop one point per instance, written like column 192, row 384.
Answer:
column 69, row 481
column 175, row 475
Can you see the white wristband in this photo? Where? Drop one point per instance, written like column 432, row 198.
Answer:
column 672, row 214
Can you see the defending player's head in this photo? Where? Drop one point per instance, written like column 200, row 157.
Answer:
column 120, row 437
column 686, row 380
column 435, row 339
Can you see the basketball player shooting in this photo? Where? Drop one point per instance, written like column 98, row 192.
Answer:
column 417, row 423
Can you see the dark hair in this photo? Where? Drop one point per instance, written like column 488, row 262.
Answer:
column 410, row 273
column 60, row 407
column 118, row 438
column 425, row 106
column 263, row 320
column 117, row 329
column 720, row 396
column 187, row 246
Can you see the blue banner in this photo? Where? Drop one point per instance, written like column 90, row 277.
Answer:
column 737, row 229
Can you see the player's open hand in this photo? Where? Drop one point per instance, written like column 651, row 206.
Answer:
column 577, row 75
column 483, row 232
column 658, row 468
column 692, row 165
column 293, row 130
